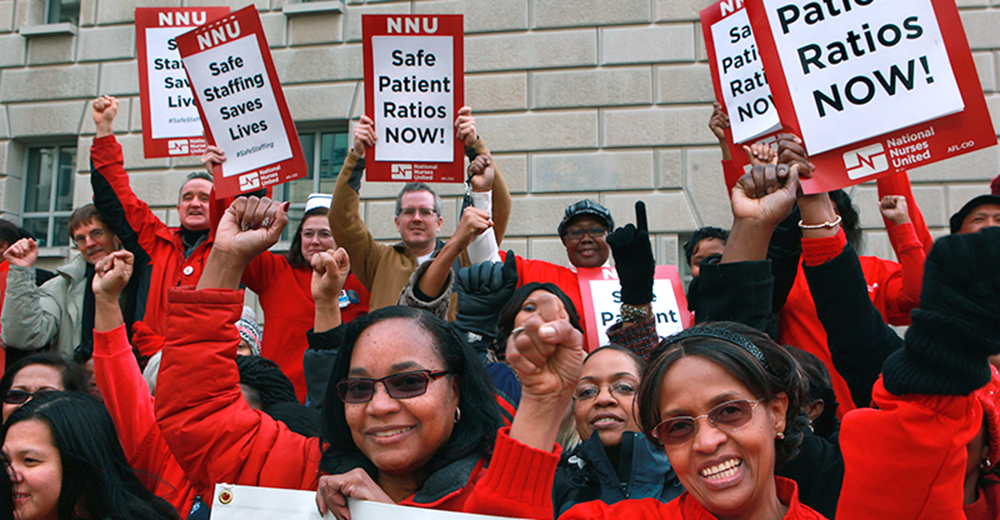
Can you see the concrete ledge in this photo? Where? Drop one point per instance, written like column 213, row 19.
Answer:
column 48, row 29
column 301, row 8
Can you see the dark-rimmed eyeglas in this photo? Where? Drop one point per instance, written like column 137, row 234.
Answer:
column 403, row 385
column 13, row 396
column 726, row 417
column 595, row 232
column 585, row 392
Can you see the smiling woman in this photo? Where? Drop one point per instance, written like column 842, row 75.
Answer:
column 723, row 400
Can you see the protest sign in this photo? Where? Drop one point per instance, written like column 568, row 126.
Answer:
column 171, row 125
column 873, row 88
column 234, row 502
column 601, row 293
column 414, row 86
column 240, row 100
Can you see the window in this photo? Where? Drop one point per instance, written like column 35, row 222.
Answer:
column 63, row 11
column 48, row 194
column 325, row 152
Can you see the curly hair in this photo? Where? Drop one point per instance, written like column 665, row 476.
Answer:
column 783, row 377
column 702, row 234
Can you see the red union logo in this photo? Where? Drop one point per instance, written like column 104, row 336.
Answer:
column 866, row 161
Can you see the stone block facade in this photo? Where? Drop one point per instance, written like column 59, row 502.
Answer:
column 576, row 98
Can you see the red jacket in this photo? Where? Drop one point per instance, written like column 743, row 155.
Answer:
column 685, row 507
column 127, row 399
column 159, row 249
column 894, row 290
column 544, row 272
column 216, row 437
column 906, row 458
column 286, row 298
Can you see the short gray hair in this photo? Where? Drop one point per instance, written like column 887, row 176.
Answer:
column 191, row 176
column 418, row 186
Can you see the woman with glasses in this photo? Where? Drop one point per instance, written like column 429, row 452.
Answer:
column 410, row 416
column 38, row 373
column 614, row 461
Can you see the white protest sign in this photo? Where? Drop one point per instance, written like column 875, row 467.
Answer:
column 234, row 502
column 601, row 292
column 856, row 69
column 235, row 92
column 414, row 98
column 740, row 70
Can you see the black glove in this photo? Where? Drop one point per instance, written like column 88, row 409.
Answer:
column 483, row 289
column 958, row 323
column 634, row 259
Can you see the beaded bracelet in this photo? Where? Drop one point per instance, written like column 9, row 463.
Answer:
column 826, row 225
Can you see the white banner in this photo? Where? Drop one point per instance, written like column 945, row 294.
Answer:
column 862, row 69
column 414, row 98
column 745, row 91
column 234, row 502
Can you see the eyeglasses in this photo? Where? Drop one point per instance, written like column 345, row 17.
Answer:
column 13, row 396
column 403, row 385
column 589, row 391
column 424, row 212
column 726, row 417
column 577, row 233
column 95, row 235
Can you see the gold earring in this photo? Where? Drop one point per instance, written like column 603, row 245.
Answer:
column 780, row 436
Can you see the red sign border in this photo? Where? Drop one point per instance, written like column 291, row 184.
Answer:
column 972, row 123
column 146, row 18
column 663, row 272
column 289, row 169
column 448, row 24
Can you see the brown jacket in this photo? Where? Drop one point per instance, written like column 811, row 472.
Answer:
column 383, row 269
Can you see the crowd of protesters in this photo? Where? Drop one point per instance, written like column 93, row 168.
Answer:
column 453, row 375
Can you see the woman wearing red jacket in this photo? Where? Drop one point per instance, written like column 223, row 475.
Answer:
column 408, row 419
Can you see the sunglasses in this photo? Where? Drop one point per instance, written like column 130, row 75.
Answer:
column 726, row 417
column 403, row 385
column 20, row 396
column 577, row 234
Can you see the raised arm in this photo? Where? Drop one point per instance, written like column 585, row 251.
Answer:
column 636, row 269
column 31, row 314
column 349, row 231
column 903, row 293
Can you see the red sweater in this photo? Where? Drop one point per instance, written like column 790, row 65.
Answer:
column 685, row 507
column 216, row 437
column 894, row 290
column 138, row 226
column 131, row 407
column 544, row 272
column 906, row 458
column 289, row 310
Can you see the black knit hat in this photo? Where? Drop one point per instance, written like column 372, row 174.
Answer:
column 958, row 323
column 586, row 207
column 958, row 218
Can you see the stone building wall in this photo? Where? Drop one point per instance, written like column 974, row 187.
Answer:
column 576, row 98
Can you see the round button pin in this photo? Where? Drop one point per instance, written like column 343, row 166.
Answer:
column 188, row 270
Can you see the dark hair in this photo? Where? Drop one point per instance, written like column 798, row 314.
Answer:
column 300, row 419
column 783, row 378
column 74, row 376
column 264, row 376
column 85, row 214
column 702, row 234
column 640, row 363
column 850, row 220
column 95, row 471
column 513, row 306
column 9, row 232
column 819, row 385
column 418, row 186
column 294, row 254
column 473, row 434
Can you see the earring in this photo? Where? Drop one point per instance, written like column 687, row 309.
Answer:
column 458, row 414
column 780, row 436
column 984, row 464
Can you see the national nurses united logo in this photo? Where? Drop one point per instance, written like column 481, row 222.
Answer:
column 866, row 161
column 402, row 172
column 250, row 181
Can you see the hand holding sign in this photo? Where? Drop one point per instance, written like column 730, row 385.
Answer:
column 364, row 136
column 465, row 127
column 334, row 490
column 634, row 259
